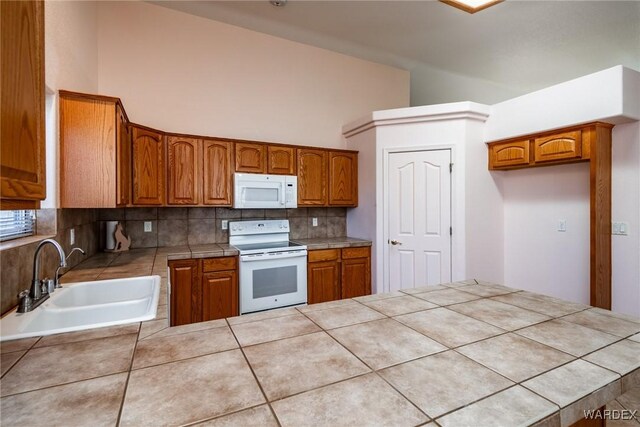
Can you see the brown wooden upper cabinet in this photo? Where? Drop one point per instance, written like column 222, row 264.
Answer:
column 22, row 96
column 509, row 154
column 251, row 158
column 95, row 152
column 343, row 178
column 217, row 172
column 184, row 170
column 312, row 177
column 148, row 167
column 567, row 145
column 281, row 160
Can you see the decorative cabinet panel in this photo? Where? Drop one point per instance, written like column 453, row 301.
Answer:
column 123, row 158
column 218, row 172
column 343, row 178
column 203, row 289
column 186, row 302
column 281, row 160
column 95, row 152
column 251, row 158
column 184, row 170
column 562, row 146
column 509, row 154
column 22, row 96
column 148, row 167
column 334, row 274
column 312, row 177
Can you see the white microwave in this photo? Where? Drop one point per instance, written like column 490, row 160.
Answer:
column 258, row 191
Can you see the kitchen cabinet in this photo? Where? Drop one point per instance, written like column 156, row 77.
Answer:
column 184, row 170
column 312, row 177
column 95, row 152
column 281, row 160
column 334, row 274
column 203, row 289
column 22, row 96
column 251, row 157
column 562, row 146
column 343, row 178
column 218, row 172
column 186, row 301
column 148, row 167
column 509, row 154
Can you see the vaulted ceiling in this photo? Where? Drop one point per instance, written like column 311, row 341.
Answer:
column 516, row 45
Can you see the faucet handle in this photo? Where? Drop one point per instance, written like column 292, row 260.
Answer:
column 25, row 302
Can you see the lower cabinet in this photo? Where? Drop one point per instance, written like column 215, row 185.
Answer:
column 334, row 274
column 203, row 289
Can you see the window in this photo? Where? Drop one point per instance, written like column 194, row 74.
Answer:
column 14, row 224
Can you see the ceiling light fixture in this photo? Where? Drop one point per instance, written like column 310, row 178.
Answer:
column 278, row 3
column 471, row 6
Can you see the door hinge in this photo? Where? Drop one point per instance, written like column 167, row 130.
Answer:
column 450, row 167
column 450, row 231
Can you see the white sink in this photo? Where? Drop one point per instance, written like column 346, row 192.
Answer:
column 86, row 305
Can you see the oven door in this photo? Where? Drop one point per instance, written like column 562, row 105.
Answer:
column 272, row 280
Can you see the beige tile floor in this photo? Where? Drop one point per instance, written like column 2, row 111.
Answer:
column 453, row 356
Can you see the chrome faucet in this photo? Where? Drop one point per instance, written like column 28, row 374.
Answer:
column 56, row 281
column 35, row 297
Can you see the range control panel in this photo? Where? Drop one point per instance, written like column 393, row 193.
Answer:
column 247, row 228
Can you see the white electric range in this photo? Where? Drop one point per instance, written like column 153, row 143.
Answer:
column 273, row 270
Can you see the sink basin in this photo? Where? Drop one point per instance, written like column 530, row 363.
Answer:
column 86, row 305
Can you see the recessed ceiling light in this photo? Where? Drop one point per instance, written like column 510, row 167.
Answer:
column 278, row 3
column 471, row 6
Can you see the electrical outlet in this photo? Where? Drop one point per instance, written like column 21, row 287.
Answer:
column 148, row 227
column 562, row 225
column 225, row 224
column 314, row 222
column 72, row 236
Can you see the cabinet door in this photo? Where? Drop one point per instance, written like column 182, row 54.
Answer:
column 251, row 158
column 312, row 177
column 184, row 166
column 123, row 159
column 343, row 179
column 281, row 160
column 509, row 154
column 219, row 295
column 186, row 292
column 22, row 156
column 563, row 146
column 148, row 167
column 323, row 281
column 356, row 273
column 218, row 175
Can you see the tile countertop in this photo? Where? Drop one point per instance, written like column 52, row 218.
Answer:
column 464, row 353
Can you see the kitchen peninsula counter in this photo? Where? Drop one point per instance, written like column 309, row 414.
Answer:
column 464, row 353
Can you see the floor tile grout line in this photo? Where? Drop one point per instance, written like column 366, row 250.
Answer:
column 226, row 414
column 151, row 336
column 126, row 383
column 255, row 377
column 14, row 363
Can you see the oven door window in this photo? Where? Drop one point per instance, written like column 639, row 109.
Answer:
column 275, row 281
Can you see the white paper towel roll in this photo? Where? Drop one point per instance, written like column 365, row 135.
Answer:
column 110, row 240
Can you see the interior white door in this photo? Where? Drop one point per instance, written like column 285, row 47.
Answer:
column 419, row 220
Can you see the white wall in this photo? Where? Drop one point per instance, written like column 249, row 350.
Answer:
column 625, row 250
column 71, row 62
column 183, row 73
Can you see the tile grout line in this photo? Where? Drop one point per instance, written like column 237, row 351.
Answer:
column 126, row 383
column 21, row 357
column 255, row 377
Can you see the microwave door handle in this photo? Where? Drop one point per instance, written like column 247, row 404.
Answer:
column 282, row 193
column 243, row 197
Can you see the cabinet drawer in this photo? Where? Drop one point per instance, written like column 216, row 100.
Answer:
column 349, row 253
column 509, row 154
column 562, row 146
column 324, row 255
column 219, row 264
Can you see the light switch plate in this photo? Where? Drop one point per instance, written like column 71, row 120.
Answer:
column 314, row 222
column 620, row 228
column 72, row 236
column 147, row 227
column 225, row 224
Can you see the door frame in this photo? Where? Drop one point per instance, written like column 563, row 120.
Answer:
column 456, row 208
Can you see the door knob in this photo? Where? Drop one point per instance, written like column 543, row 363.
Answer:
column 395, row 242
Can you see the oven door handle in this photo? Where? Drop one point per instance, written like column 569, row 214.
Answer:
column 276, row 256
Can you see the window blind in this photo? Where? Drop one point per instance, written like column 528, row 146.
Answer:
column 14, row 224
